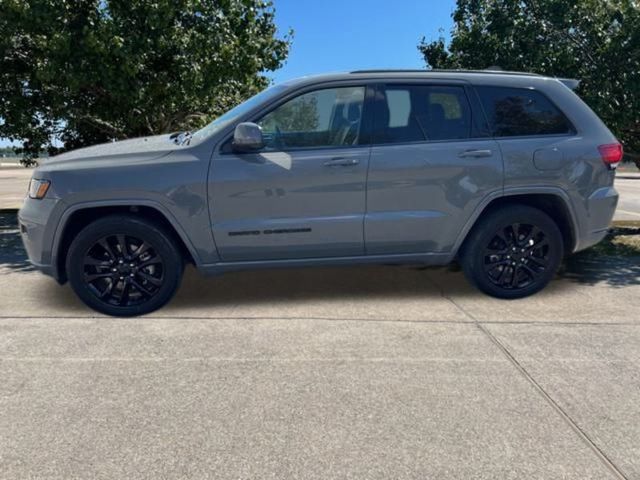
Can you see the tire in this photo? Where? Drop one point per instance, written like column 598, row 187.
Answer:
column 490, row 262
column 136, row 281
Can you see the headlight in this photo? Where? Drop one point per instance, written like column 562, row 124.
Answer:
column 38, row 188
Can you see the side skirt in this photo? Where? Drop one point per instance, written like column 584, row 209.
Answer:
column 429, row 259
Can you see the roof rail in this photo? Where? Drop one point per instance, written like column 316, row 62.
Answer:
column 488, row 71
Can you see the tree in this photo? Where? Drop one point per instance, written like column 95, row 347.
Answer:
column 89, row 71
column 596, row 41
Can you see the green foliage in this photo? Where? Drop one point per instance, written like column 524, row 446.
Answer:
column 596, row 41
column 89, row 71
column 298, row 115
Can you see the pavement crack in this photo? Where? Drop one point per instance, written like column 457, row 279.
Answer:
column 613, row 468
column 555, row 405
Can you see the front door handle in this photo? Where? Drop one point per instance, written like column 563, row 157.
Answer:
column 341, row 162
column 475, row 153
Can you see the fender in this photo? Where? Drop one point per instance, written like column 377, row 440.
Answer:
column 514, row 192
column 66, row 215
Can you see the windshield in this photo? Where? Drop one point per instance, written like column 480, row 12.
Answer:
column 236, row 112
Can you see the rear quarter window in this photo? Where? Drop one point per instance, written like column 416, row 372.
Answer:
column 515, row 112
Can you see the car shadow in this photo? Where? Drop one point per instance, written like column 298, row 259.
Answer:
column 12, row 254
column 276, row 286
column 615, row 271
column 335, row 283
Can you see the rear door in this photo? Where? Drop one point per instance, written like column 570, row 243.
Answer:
column 533, row 133
column 432, row 163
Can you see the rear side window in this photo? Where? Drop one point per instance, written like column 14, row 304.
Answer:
column 421, row 113
column 514, row 112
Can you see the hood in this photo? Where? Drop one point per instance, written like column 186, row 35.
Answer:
column 145, row 148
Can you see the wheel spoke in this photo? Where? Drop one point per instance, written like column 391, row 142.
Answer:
column 105, row 245
column 151, row 279
column 532, row 274
column 502, row 275
column 124, row 295
column 144, row 246
column 95, row 262
column 140, row 288
column 503, row 238
column 540, row 262
column 514, row 277
column 153, row 260
column 107, row 290
column 92, row 277
column 526, row 242
column 122, row 244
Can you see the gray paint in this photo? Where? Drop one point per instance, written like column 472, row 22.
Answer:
column 382, row 203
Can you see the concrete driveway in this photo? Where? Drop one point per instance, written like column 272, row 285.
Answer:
column 368, row 372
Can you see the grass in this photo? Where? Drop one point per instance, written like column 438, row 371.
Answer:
column 623, row 239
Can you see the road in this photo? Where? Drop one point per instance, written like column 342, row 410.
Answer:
column 629, row 205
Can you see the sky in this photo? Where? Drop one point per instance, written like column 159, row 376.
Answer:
column 344, row 35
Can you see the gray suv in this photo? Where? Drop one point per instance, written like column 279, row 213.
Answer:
column 504, row 172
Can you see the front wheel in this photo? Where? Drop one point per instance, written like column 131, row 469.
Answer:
column 513, row 253
column 124, row 266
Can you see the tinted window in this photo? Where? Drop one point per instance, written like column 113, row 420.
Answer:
column 329, row 117
column 517, row 112
column 418, row 113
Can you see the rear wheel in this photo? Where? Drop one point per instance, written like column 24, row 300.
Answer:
column 514, row 252
column 124, row 266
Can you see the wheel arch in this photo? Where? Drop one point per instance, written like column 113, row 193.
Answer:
column 554, row 202
column 75, row 218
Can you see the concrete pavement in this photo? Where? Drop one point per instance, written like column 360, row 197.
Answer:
column 367, row 372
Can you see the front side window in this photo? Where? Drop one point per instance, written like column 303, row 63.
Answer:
column 422, row 113
column 322, row 118
column 521, row 112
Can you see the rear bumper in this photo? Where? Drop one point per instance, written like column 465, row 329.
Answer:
column 600, row 208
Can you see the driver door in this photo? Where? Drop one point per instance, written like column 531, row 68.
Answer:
column 303, row 195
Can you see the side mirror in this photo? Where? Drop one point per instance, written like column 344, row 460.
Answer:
column 247, row 137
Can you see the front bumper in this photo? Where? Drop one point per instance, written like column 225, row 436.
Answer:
column 37, row 232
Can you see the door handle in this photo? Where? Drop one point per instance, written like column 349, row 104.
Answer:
column 475, row 153
column 341, row 162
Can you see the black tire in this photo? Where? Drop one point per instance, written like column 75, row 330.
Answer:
column 512, row 252
column 136, row 281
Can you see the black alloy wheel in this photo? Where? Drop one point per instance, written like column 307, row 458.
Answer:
column 124, row 265
column 517, row 256
column 123, row 270
column 512, row 252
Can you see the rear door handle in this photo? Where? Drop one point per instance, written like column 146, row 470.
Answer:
column 341, row 162
column 475, row 153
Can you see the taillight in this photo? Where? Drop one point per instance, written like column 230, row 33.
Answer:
column 611, row 154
